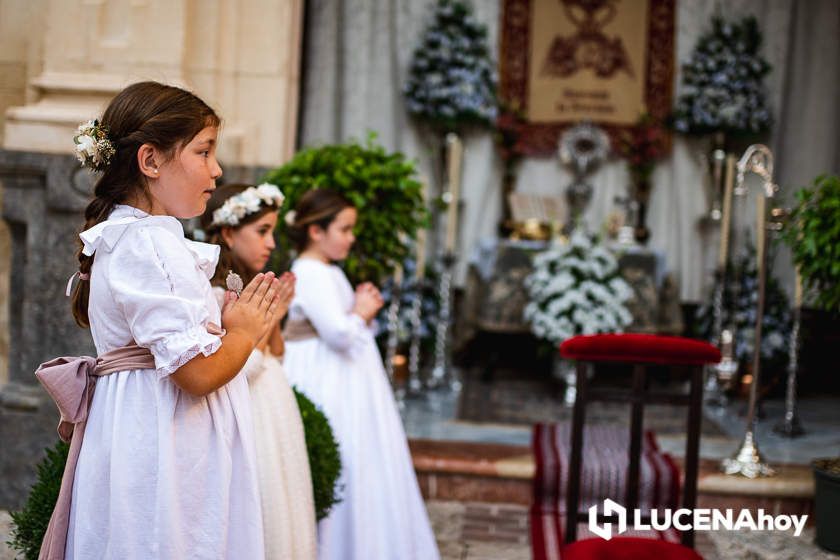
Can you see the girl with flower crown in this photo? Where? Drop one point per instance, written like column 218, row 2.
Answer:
column 241, row 220
column 162, row 462
column 332, row 357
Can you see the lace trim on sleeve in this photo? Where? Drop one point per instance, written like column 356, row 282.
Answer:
column 202, row 343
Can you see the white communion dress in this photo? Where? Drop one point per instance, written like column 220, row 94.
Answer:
column 285, row 482
column 161, row 473
column 382, row 514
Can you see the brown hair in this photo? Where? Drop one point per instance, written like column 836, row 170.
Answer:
column 164, row 116
column 316, row 207
column 227, row 259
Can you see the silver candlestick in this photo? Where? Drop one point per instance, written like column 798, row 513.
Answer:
column 790, row 425
column 748, row 461
column 415, row 385
column 393, row 340
column 442, row 373
column 713, row 392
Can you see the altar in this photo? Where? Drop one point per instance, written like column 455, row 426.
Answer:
column 495, row 295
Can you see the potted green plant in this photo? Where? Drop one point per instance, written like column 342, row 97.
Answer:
column 382, row 185
column 827, row 502
column 813, row 234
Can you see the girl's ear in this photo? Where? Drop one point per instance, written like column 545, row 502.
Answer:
column 227, row 236
column 148, row 160
column 315, row 232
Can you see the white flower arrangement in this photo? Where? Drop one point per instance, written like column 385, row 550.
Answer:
column 247, row 202
column 576, row 289
column 93, row 149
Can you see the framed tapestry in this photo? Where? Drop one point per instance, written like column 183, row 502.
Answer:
column 567, row 61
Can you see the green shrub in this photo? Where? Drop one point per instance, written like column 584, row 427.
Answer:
column 324, row 456
column 30, row 523
column 383, row 187
column 813, row 235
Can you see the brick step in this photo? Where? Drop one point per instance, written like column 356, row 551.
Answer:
column 497, row 473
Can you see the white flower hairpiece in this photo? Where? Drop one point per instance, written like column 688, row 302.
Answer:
column 290, row 218
column 92, row 147
column 247, row 202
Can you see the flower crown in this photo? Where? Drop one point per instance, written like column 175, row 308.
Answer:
column 247, row 202
column 93, row 148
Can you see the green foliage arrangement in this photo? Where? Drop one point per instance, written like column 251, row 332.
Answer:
column 723, row 82
column 30, row 523
column 324, row 456
column 813, row 234
column 452, row 79
column 384, row 188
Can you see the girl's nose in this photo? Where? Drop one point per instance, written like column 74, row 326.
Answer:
column 216, row 172
column 269, row 242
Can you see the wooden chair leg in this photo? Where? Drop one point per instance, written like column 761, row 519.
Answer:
column 576, row 455
column 635, row 450
column 692, row 447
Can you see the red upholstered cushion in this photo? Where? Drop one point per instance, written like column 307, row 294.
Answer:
column 627, row 548
column 639, row 349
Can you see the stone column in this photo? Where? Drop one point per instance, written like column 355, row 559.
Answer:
column 44, row 196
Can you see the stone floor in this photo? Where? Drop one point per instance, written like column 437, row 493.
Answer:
column 435, row 415
column 465, row 531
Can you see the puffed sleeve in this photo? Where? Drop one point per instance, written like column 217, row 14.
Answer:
column 317, row 297
column 157, row 284
column 254, row 364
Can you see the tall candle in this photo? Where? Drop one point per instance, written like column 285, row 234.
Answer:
column 726, row 219
column 454, row 154
column 421, row 236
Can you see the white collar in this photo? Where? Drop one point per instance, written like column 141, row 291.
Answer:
column 106, row 234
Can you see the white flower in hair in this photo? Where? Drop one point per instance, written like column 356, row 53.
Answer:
column 247, row 202
column 291, row 215
column 92, row 146
column 85, row 147
column 267, row 191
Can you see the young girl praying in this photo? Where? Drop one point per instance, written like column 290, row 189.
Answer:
column 163, row 464
column 241, row 220
column 332, row 357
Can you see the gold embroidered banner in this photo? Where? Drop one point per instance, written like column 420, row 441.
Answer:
column 565, row 61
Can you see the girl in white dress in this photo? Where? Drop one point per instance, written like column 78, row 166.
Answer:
column 332, row 357
column 241, row 220
column 167, row 466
